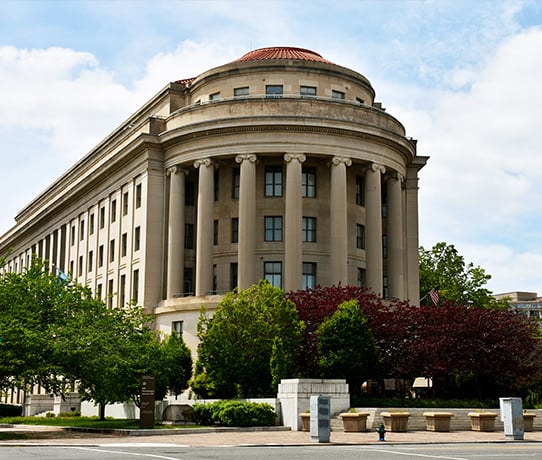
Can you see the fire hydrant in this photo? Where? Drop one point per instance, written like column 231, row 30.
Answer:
column 381, row 432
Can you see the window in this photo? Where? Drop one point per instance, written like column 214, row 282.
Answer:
column 214, row 279
column 273, row 181
column 361, row 277
column 71, row 268
column 215, row 185
column 307, row 91
column 125, row 204
column 122, row 289
column 189, row 236
column 135, row 286
column 384, row 246
column 189, row 193
column 80, row 266
column 113, row 211
column 110, row 293
column 384, row 202
column 273, row 228
column 308, row 277
column 235, row 230
column 99, row 291
column 101, row 256
column 91, row 224
column 90, row 261
column 360, row 195
column 337, row 94
column 360, row 101
column 102, row 217
column 138, row 196
column 112, row 251
column 233, row 275
column 137, row 238
column 81, row 230
column 308, row 229
column 214, row 96
column 236, row 181
column 360, row 236
column 124, row 244
column 273, row 90
column 308, row 182
column 215, row 232
column 177, row 327
column 272, row 272
column 240, row 92
column 188, row 280
column 72, row 235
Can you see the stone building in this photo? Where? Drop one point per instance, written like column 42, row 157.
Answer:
column 279, row 165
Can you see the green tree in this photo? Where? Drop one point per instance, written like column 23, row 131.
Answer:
column 347, row 346
column 442, row 267
column 234, row 355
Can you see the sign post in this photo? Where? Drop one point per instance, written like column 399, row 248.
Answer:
column 146, row 411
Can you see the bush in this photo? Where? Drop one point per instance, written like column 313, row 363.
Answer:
column 235, row 413
column 10, row 410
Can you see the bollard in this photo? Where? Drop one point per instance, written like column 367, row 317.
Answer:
column 381, row 432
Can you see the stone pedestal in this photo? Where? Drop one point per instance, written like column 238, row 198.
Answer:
column 528, row 421
column 354, row 421
column 438, row 421
column 294, row 397
column 482, row 421
column 396, row 421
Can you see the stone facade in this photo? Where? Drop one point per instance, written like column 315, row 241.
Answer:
column 279, row 165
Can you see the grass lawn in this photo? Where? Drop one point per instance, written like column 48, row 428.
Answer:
column 83, row 422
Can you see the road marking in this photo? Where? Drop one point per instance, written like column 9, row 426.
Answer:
column 120, row 452
column 411, row 454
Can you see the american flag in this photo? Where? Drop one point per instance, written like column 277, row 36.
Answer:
column 434, row 295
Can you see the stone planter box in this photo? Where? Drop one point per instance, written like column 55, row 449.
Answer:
column 395, row 421
column 482, row 421
column 354, row 421
column 305, row 421
column 528, row 421
column 437, row 421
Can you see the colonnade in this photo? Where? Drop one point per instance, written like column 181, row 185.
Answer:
column 293, row 255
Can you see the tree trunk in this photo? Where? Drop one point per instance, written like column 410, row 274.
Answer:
column 101, row 409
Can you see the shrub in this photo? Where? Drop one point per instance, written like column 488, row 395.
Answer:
column 10, row 410
column 235, row 413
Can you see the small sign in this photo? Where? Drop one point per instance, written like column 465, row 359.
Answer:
column 146, row 411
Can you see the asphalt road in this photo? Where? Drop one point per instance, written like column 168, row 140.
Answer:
column 482, row 451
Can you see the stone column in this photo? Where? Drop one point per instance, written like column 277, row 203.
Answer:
column 204, row 235
column 339, row 221
column 246, row 246
column 395, row 268
column 293, row 253
column 373, row 227
column 175, row 247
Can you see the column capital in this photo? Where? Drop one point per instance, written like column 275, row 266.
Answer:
column 294, row 156
column 176, row 170
column 396, row 175
column 249, row 157
column 336, row 161
column 375, row 167
column 203, row 161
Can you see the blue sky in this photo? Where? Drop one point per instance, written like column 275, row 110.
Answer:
column 462, row 76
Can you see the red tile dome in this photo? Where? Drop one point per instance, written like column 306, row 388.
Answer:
column 280, row 52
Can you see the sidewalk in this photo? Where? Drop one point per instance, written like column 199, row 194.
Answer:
column 238, row 437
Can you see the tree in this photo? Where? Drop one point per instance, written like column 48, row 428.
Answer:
column 235, row 352
column 347, row 346
column 444, row 268
column 173, row 368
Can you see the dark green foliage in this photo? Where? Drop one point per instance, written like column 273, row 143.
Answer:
column 234, row 355
column 173, row 367
column 277, row 363
column 347, row 346
column 10, row 410
column 235, row 413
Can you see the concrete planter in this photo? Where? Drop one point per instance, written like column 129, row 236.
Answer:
column 528, row 421
column 354, row 421
column 437, row 421
column 482, row 421
column 305, row 421
column 395, row 421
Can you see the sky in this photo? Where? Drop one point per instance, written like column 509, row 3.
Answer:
column 464, row 78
